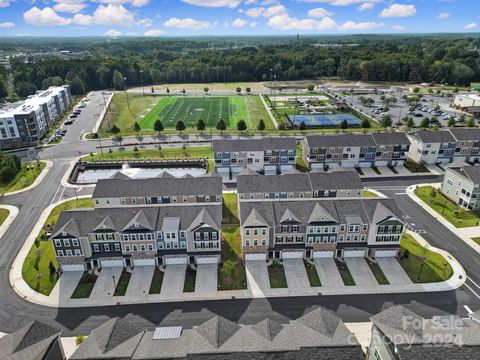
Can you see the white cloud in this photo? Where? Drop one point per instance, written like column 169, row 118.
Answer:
column 187, row 23
column 154, row 32
column 113, row 33
column 136, row 3
column 83, row 20
column 338, row 2
column 366, row 6
column 319, row 13
column 45, row 17
column 285, row 22
column 266, row 12
column 471, row 26
column 351, row 25
column 7, row 24
column 113, row 15
column 399, row 28
column 69, row 6
column 239, row 23
column 253, row 24
column 443, row 15
column 4, row 3
column 398, row 10
column 214, row 3
column 147, row 22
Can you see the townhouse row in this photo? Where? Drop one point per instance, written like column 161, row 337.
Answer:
column 23, row 124
column 461, row 184
column 315, row 215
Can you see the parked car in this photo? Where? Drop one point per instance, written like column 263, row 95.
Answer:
column 73, row 116
column 418, row 115
column 68, row 122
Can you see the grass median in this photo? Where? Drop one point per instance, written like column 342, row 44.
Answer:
column 276, row 275
column 24, row 178
column 232, row 274
column 192, row 152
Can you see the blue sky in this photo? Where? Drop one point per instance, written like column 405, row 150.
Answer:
column 234, row 17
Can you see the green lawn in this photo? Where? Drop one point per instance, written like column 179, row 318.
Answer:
column 36, row 269
column 378, row 273
column 345, row 273
column 24, row 178
column 434, row 269
column 477, row 240
column 190, row 277
column 312, row 274
column 230, row 209
column 122, row 284
column 192, row 152
column 157, row 280
column 447, row 208
column 232, row 275
column 85, row 286
column 3, row 215
column 414, row 167
column 276, row 274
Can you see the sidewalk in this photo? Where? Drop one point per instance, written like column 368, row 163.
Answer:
column 465, row 234
column 9, row 220
column 386, row 172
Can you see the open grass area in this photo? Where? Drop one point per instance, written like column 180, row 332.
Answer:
column 157, row 280
column 122, row 283
column 232, row 275
column 192, row 152
column 477, row 240
column 312, row 274
column 36, row 267
column 230, row 209
column 435, row 268
column 378, row 273
column 415, row 167
column 24, row 178
column 3, row 215
column 447, row 208
column 190, row 277
column 85, row 286
column 345, row 273
column 276, row 275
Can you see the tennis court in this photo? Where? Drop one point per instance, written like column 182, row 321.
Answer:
column 322, row 120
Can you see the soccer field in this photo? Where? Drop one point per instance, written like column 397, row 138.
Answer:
column 190, row 109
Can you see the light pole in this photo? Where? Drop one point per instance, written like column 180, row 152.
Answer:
column 422, row 258
column 126, row 93
column 114, row 284
column 141, row 78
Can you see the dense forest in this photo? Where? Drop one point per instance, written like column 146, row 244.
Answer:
column 102, row 64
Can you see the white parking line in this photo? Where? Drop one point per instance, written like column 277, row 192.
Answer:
column 473, row 282
column 474, row 293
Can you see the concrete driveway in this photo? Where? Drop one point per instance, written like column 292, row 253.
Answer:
column 207, row 278
column 140, row 281
column 361, row 273
column 328, row 272
column 257, row 277
column 393, row 271
column 173, row 280
column 296, row 275
column 104, row 285
column 65, row 286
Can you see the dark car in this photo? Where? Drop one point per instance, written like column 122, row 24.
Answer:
column 73, row 116
column 418, row 115
column 68, row 122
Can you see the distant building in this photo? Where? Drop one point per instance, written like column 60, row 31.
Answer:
column 468, row 102
column 34, row 341
column 24, row 124
column 461, row 184
column 319, row 334
column 267, row 155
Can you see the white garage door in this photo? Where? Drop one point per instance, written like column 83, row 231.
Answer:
column 176, row 260
column 111, row 263
column 207, row 260
column 262, row 256
column 381, row 163
column 354, row 253
column 323, row 254
column 73, row 267
column 349, row 164
column 385, row 253
column 443, row 160
column 270, row 170
column 317, row 165
column 144, row 262
column 364, row 164
column 292, row 254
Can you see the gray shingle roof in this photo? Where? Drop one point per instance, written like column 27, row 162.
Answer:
column 466, row 134
column 391, row 138
column 267, row 328
column 428, row 136
column 319, row 141
column 270, row 143
column 322, row 321
column 159, row 186
column 422, row 352
column 217, row 330
column 470, row 172
column 336, row 179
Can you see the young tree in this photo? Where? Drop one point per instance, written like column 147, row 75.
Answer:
column 200, row 125
column 386, row 121
column 158, row 126
column 410, row 123
column 470, row 122
column 365, row 124
column 206, row 90
column 425, row 122
column 239, row 90
column 451, row 122
column 153, row 90
column 248, row 90
column 136, row 127
column 114, row 129
column 180, row 126
column 343, row 125
column 183, row 91
column 416, row 90
column 241, row 125
column 119, row 138
column 168, row 90
column 302, row 126
column 118, row 82
column 261, row 125
column 310, row 87
column 221, row 125
column 462, row 118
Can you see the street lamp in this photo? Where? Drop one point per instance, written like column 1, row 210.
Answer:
column 422, row 258
column 126, row 93
column 143, row 87
column 114, row 284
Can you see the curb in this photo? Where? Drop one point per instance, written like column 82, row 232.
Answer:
column 37, row 181
column 10, row 218
column 64, row 180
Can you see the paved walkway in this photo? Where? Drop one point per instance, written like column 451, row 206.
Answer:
column 140, row 282
column 104, row 287
column 296, row 275
column 13, row 212
column 257, row 277
column 361, row 273
column 66, row 285
column 206, row 281
column 393, row 271
column 173, row 280
column 328, row 273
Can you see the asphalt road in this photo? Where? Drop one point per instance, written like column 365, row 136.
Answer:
column 15, row 312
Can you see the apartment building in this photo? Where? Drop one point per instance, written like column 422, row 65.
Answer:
column 461, row 184
column 315, row 228
column 164, row 190
column 468, row 145
column 106, row 237
column 24, row 124
column 349, row 150
column 399, row 333
column 267, row 155
column 294, row 185
column 432, row 147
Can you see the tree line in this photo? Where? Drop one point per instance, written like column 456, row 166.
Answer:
column 452, row 60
